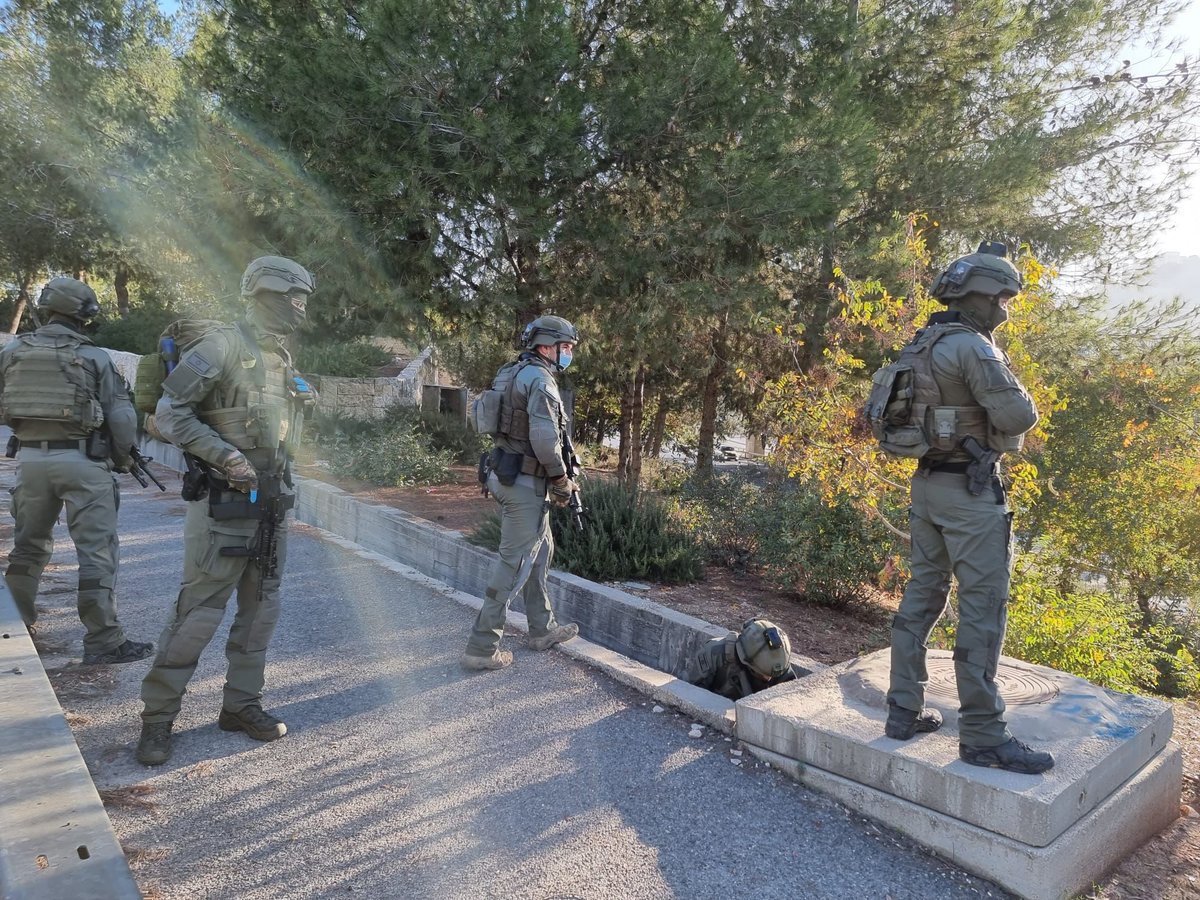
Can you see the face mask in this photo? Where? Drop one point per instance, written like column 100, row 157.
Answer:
column 564, row 358
column 279, row 314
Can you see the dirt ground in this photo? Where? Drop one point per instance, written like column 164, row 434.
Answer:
column 1165, row 868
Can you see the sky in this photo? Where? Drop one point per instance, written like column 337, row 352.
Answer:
column 1181, row 233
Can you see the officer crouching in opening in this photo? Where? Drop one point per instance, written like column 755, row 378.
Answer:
column 759, row 657
column 527, row 472
column 70, row 411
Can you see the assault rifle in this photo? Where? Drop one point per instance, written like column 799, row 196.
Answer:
column 140, row 470
column 982, row 467
column 571, row 464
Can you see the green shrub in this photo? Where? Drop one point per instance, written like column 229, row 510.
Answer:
column 827, row 550
column 392, row 451
column 1094, row 635
column 453, row 435
column 343, row 359
column 627, row 536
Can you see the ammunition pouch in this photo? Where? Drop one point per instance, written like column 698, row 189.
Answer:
column 224, row 503
column 507, row 466
column 14, row 444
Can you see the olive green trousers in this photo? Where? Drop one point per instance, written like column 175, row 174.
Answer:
column 47, row 482
column 209, row 580
column 969, row 538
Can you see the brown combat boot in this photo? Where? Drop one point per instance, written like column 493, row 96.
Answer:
column 497, row 660
column 262, row 726
column 555, row 635
column 154, row 746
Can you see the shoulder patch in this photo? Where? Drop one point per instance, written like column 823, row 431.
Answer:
column 198, row 363
column 984, row 350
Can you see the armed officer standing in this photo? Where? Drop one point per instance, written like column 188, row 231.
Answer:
column 960, row 524
column 235, row 406
column 70, row 410
column 527, row 473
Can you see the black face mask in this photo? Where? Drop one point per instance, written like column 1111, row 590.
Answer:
column 279, row 314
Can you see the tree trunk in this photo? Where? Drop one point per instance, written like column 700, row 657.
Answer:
column 22, row 304
column 708, row 408
column 635, row 427
column 625, row 431
column 659, row 426
column 121, row 286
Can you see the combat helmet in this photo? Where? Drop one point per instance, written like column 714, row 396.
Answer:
column 278, row 274
column 987, row 271
column 546, row 331
column 68, row 297
column 764, row 648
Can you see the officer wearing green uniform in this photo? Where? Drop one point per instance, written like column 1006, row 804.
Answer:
column 236, row 406
column 736, row 666
column 527, row 473
column 976, row 402
column 70, row 410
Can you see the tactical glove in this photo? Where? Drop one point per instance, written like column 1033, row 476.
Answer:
column 561, row 489
column 239, row 473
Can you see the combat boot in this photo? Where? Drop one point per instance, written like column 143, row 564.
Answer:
column 1012, row 756
column 903, row 723
column 126, row 652
column 497, row 660
column 154, row 746
column 555, row 635
column 262, row 726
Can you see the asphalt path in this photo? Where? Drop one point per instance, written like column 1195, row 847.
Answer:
column 403, row 777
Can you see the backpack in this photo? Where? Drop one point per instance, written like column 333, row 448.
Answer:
column 153, row 368
column 905, row 408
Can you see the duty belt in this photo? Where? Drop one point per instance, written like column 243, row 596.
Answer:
column 954, row 468
column 79, row 444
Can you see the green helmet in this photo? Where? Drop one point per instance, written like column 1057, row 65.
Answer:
column 986, row 272
column 278, row 274
column 764, row 648
column 69, row 297
column 546, row 331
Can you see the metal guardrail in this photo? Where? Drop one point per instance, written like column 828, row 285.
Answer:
column 55, row 838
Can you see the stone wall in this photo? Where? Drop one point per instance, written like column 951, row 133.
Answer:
column 369, row 398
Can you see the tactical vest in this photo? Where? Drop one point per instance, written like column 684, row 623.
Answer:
column 48, row 380
column 252, row 406
column 905, row 405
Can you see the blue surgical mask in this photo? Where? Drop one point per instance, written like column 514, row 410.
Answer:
column 564, row 358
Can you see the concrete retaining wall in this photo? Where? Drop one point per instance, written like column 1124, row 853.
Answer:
column 55, row 837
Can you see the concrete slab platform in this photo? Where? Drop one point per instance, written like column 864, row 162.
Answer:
column 833, row 720
column 1071, row 864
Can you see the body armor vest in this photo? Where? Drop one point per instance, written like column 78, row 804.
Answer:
column 905, row 406
column 252, row 408
column 47, row 380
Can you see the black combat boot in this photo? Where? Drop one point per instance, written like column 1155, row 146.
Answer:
column 262, row 726
column 903, row 723
column 1013, row 756
column 127, row 652
column 154, row 746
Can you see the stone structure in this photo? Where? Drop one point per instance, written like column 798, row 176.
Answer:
column 1116, row 782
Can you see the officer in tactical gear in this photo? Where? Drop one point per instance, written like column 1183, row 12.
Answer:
column 960, row 523
column 526, row 473
column 236, row 407
column 736, row 666
column 70, row 411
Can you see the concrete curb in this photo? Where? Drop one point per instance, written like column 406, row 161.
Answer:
column 57, row 839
